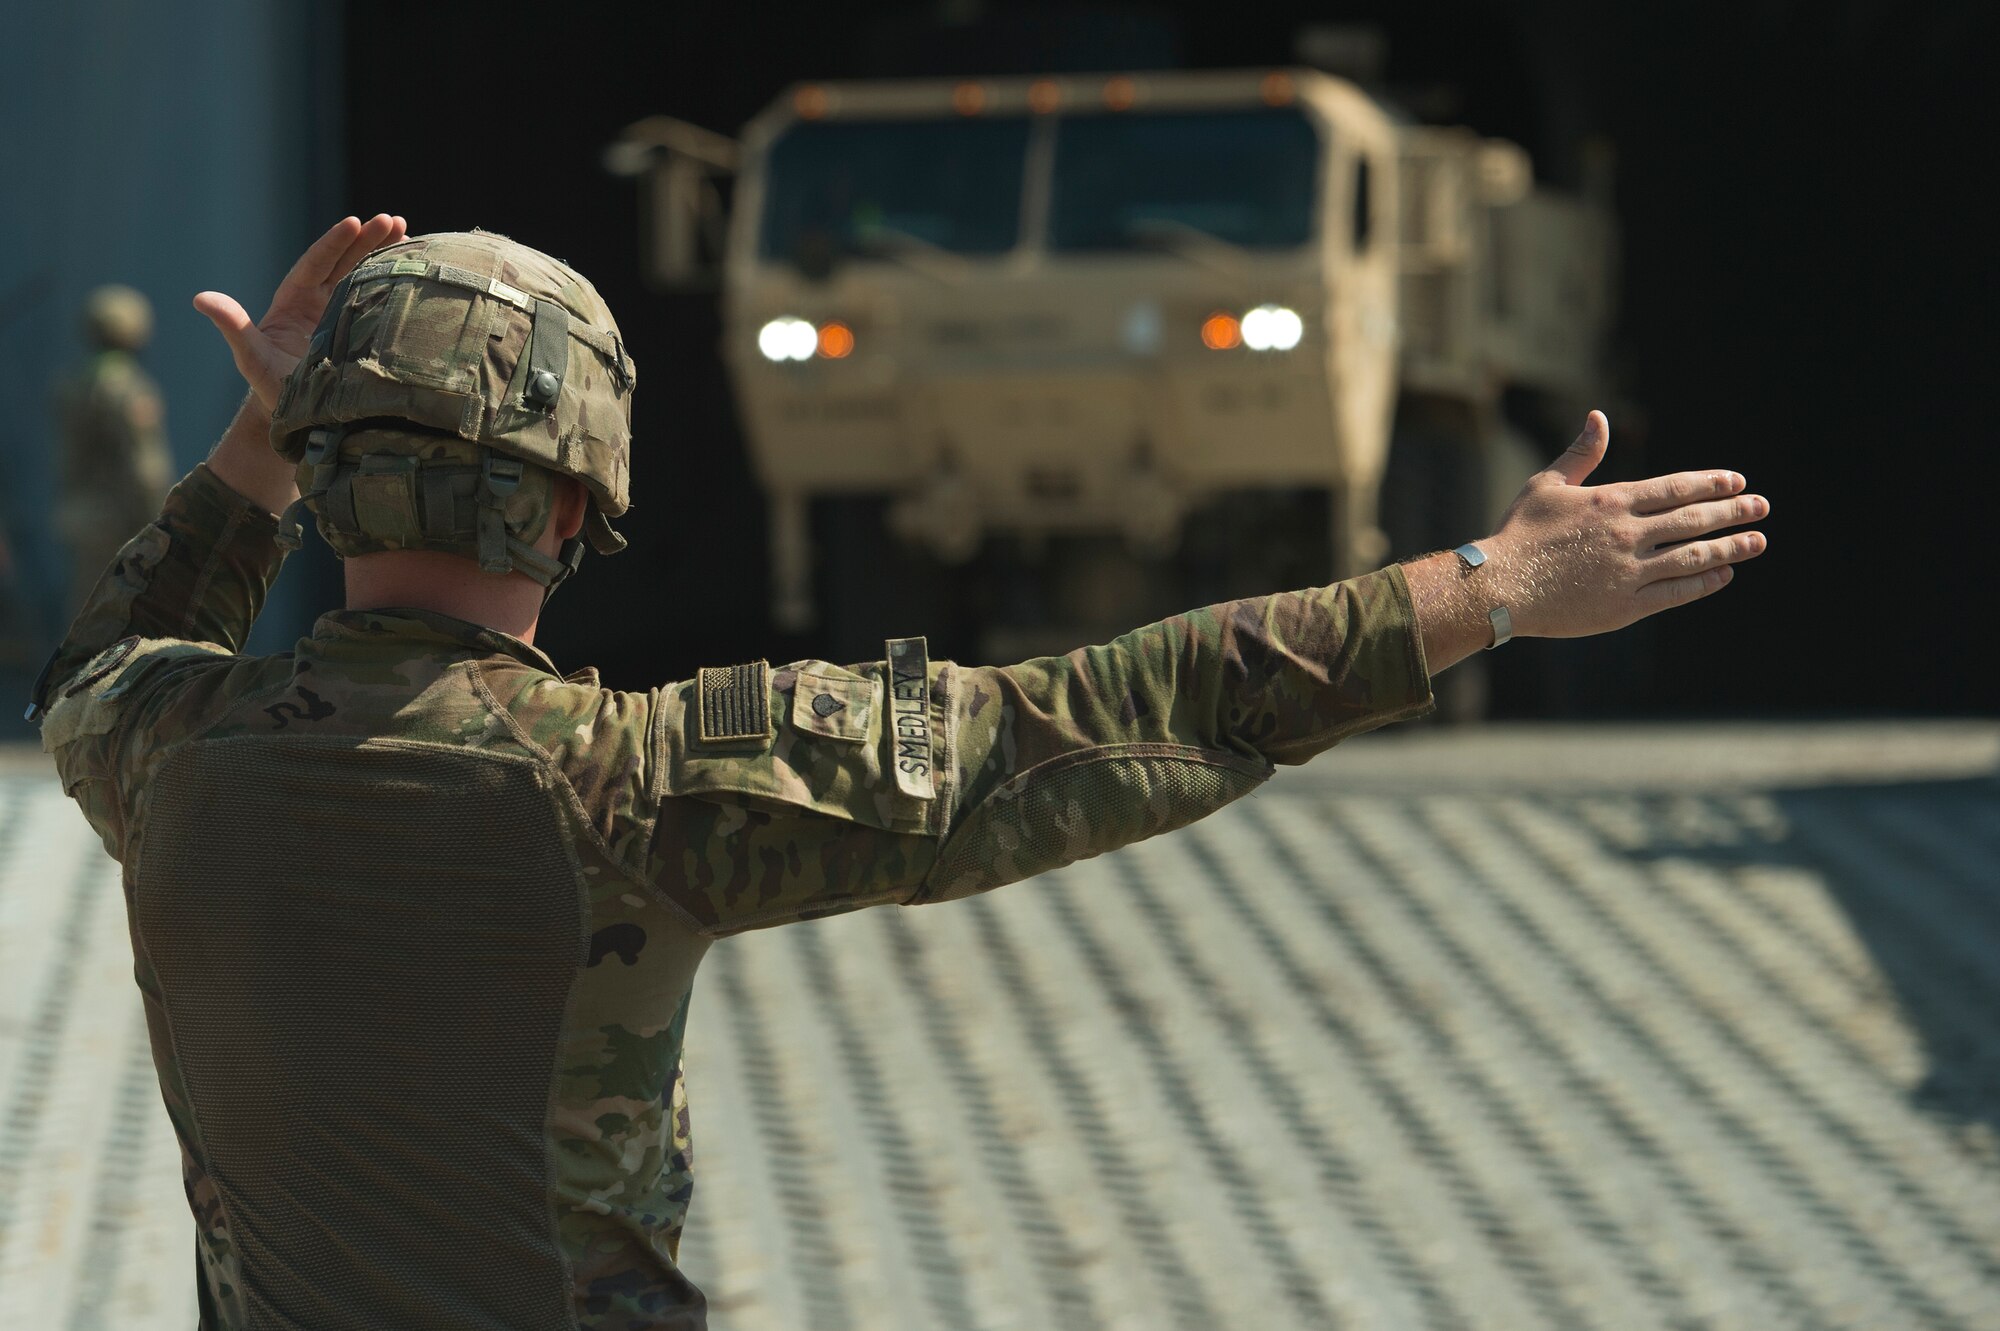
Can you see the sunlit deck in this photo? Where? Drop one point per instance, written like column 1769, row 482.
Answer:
column 1543, row 1027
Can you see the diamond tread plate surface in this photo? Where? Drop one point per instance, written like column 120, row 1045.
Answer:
column 1527, row 1038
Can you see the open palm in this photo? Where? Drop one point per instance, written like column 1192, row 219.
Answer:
column 266, row 351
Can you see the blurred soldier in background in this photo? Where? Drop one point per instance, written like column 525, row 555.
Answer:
column 116, row 465
column 418, row 915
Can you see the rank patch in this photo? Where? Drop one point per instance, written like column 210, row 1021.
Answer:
column 735, row 703
column 834, row 704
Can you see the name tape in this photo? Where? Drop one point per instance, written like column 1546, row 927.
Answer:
column 910, row 716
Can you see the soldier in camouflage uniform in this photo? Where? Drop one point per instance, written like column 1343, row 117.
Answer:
column 416, row 914
column 116, row 466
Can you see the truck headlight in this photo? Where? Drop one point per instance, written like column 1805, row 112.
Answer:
column 1272, row 328
column 788, row 338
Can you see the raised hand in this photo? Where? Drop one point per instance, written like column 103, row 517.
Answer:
column 1572, row 559
column 266, row 351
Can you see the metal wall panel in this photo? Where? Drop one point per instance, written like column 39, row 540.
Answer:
column 171, row 147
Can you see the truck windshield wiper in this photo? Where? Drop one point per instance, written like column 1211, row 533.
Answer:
column 1188, row 242
column 912, row 251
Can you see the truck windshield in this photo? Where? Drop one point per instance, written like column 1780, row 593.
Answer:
column 1244, row 178
column 881, row 187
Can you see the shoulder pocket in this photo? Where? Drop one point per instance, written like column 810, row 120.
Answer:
column 826, row 750
column 92, row 700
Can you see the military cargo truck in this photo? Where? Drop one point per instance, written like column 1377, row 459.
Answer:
column 1077, row 350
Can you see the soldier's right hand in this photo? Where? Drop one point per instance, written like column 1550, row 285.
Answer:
column 1572, row 559
column 266, row 351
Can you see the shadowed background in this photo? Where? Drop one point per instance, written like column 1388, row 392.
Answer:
column 1801, row 278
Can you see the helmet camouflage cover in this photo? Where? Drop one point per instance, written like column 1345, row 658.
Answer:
column 448, row 375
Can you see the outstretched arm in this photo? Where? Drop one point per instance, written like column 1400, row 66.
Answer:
column 1075, row 755
column 1057, row 759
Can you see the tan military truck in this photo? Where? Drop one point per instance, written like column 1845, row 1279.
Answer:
column 1076, row 350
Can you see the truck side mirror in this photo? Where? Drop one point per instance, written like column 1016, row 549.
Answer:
column 683, row 211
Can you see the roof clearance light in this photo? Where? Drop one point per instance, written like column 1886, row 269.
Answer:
column 1272, row 328
column 1120, row 93
column 968, row 99
column 836, row 341
column 810, row 102
column 1044, row 96
column 1276, row 88
column 788, row 339
column 1220, row 332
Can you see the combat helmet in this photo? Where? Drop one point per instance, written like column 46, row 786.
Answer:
column 118, row 317
column 451, row 376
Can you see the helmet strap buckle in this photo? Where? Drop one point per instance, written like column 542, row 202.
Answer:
column 499, row 477
column 323, row 456
column 291, row 534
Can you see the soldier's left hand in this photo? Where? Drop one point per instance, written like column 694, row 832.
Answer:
column 266, row 351
column 1572, row 559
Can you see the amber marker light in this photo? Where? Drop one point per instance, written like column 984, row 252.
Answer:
column 836, row 341
column 1044, row 96
column 1220, row 332
column 810, row 102
column 1120, row 93
column 968, row 99
column 1276, row 89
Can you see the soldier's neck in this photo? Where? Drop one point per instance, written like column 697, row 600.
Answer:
column 447, row 585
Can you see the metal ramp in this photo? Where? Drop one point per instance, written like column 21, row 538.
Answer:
column 1593, row 1028
column 94, row 1230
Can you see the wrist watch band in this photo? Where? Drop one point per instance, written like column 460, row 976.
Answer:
column 1472, row 557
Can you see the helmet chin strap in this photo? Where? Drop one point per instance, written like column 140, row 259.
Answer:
column 551, row 573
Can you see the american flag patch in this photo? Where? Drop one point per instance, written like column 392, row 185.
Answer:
column 735, row 702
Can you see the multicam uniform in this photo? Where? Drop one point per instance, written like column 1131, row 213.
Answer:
column 416, row 916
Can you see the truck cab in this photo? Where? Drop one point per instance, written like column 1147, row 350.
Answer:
column 1076, row 314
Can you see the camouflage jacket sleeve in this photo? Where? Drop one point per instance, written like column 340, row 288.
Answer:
column 191, row 582
column 893, row 782
column 1062, row 758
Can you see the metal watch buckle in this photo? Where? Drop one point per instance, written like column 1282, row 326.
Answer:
column 1471, row 556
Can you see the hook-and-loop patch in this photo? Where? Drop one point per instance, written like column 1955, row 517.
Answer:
column 735, row 703
column 910, row 716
